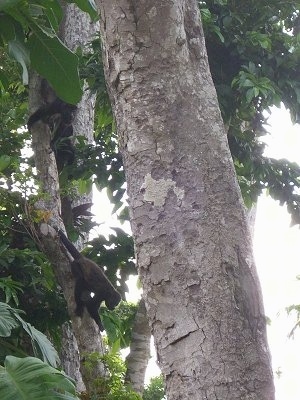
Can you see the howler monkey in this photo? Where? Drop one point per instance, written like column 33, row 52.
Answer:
column 91, row 284
column 58, row 115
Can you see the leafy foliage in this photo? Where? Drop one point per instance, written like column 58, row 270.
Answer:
column 13, row 111
column 10, row 319
column 254, row 61
column 10, row 289
column 28, row 29
column 254, row 58
column 155, row 390
column 23, row 266
column 112, row 386
column 118, row 325
column 30, row 379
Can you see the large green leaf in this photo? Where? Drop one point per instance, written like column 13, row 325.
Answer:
column 10, row 319
column 7, row 27
column 31, row 379
column 41, row 344
column 4, row 4
column 7, row 320
column 54, row 61
column 54, row 13
column 19, row 52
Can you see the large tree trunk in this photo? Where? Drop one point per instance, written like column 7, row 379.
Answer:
column 189, row 224
column 76, row 30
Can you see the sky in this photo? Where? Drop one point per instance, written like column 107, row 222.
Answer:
column 277, row 254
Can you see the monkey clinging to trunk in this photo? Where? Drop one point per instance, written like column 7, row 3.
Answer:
column 91, row 284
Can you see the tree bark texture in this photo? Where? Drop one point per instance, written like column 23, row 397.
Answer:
column 191, row 235
column 86, row 331
column 76, row 30
column 70, row 357
column 139, row 355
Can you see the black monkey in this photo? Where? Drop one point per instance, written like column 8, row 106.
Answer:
column 91, row 284
column 58, row 115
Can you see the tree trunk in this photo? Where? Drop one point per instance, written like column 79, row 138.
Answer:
column 76, row 30
column 86, row 331
column 189, row 224
column 138, row 358
column 69, row 356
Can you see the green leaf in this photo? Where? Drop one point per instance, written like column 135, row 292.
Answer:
column 7, row 28
column 19, row 52
column 52, row 9
column 265, row 44
column 10, row 288
column 247, row 83
column 251, row 67
column 84, row 186
column 31, row 379
column 45, row 347
column 249, row 95
column 4, row 4
column 10, row 319
column 256, row 91
column 55, row 62
column 205, row 14
column 7, row 320
column 5, row 161
column 21, row 15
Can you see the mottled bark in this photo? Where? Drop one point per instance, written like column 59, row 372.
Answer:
column 85, row 330
column 75, row 31
column 190, row 229
column 69, row 356
column 138, row 358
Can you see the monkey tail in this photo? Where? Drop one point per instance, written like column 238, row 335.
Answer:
column 69, row 245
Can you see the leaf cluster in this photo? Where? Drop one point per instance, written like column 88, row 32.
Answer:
column 112, row 386
column 22, row 265
column 155, row 389
column 13, row 112
column 12, row 327
column 254, row 55
column 28, row 32
column 31, row 379
column 118, row 325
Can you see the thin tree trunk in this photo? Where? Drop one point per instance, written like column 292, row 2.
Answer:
column 189, row 224
column 139, row 355
column 85, row 330
column 69, row 356
column 76, row 30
